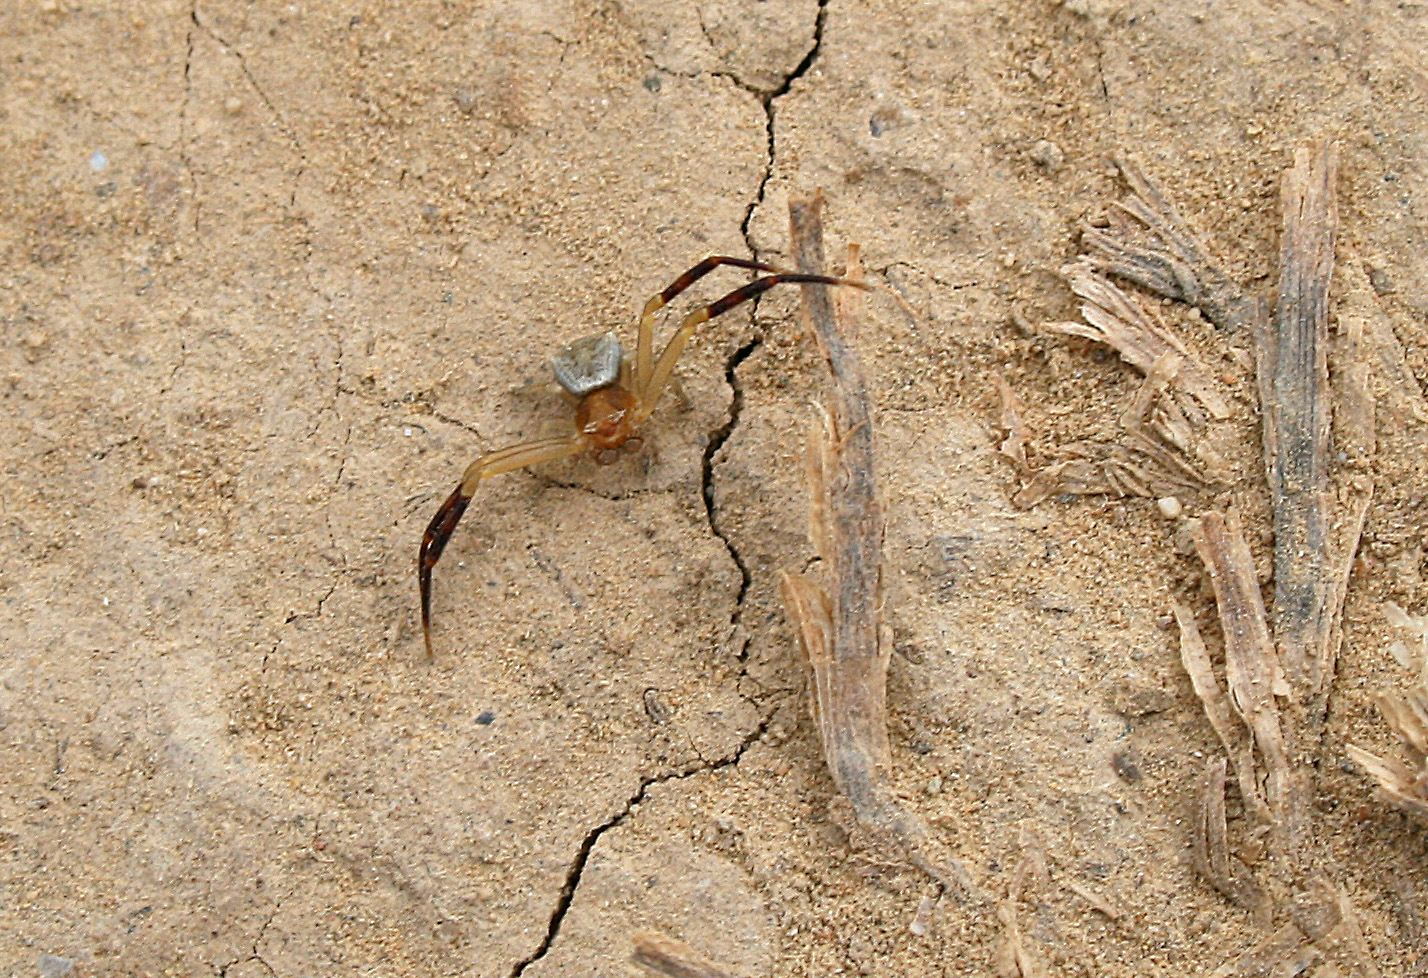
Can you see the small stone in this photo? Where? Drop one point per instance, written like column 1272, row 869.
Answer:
column 885, row 118
column 1169, row 507
column 1047, row 155
column 655, row 707
column 485, row 718
column 1124, row 762
column 54, row 966
column 233, row 105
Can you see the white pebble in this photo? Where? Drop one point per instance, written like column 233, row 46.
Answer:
column 1169, row 507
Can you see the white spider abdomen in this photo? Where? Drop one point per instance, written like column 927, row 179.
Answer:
column 588, row 364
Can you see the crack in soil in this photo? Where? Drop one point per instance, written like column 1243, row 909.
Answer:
column 717, row 440
column 767, row 99
column 268, row 104
column 577, row 867
column 183, row 141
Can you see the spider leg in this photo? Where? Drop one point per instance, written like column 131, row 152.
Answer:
column 664, row 367
column 439, row 530
column 644, row 354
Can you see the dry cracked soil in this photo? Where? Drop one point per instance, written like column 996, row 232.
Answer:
column 274, row 273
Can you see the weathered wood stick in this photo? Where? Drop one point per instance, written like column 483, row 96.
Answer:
column 1296, row 419
column 841, row 628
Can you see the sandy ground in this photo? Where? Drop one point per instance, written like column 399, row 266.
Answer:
column 273, row 274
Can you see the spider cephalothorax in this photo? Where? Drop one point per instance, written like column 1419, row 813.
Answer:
column 613, row 398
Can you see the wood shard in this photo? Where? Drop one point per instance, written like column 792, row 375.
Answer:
column 664, row 955
column 1210, row 852
column 840, row 626
column 1196, row 660
column 1296, row 413
column 1252, row 670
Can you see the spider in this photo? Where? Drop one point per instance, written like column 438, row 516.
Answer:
column 612, row 398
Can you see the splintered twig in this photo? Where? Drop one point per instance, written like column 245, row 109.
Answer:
column 1253, row 672
column 1404, row 785
column 1235, row 738
column 1313, row 546
column 1170, row 261
column 841, row 629
column 1293, row 358
column 1210, row 851
column 1161, row 452
column 1135, row 332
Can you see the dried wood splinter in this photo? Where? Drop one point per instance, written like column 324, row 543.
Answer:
column 846, row 644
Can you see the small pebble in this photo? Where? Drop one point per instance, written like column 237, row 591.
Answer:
column 655, row 707
column 233, row 105
column 485, row 718
column 923, row 918
column 1169, row 507
column 54, row 966
column 1125, row 765
column 1047, row 155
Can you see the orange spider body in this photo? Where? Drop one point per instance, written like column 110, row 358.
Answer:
column 607, row 419
column 613, row 398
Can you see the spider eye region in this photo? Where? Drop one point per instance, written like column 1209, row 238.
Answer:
column 588, row 364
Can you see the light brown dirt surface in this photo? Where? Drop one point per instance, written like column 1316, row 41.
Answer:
column 275, row 273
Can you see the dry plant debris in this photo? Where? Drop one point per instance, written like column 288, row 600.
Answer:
column 1136, row 332
column 840, row 626
column 1278, row 663
column 1150, row 244
column 1161, row 452
column 1150, row 461
column 1405, row 786
column 1292, row 364
column 663, row 955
